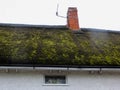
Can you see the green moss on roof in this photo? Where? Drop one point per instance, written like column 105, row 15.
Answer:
column 58, row 47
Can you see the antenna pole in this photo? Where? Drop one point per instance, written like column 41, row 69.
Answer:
column 57, row 9
column 58, row 14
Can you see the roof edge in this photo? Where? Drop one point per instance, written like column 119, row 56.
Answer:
column 57, row 66
column 33, row 26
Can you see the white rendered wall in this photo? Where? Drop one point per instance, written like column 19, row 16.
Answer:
column 32, row 80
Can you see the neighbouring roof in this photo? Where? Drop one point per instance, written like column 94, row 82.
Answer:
column 58, row 46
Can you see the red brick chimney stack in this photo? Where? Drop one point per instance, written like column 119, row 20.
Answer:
column 72, row 19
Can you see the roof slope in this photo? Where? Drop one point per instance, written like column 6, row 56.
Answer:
column 47, row 46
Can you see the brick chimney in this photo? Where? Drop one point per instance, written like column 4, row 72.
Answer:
column 72, row 19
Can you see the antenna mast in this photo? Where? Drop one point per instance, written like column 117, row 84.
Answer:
column 58, row 14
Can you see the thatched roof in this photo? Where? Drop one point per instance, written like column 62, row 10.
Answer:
column 58, row 46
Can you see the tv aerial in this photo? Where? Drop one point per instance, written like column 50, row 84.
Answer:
column 57, row 14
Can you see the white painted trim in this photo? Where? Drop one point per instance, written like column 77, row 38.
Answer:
column 50, row 68
column 84, row 69
column 55, row 84
column 59, row 68
column 8, row 67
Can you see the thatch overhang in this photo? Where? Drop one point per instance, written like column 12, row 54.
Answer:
column 58, row 46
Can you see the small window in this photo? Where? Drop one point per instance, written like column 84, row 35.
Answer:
column 55, row 80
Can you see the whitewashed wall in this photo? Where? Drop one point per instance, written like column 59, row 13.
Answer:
column 83, row 80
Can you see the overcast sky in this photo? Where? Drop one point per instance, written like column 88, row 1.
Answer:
column 104, row 14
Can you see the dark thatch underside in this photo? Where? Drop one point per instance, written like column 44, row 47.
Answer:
column 40, row 46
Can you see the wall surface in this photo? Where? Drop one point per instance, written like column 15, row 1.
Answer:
column 82, row 80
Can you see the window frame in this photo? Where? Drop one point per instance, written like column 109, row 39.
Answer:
column 56, row 84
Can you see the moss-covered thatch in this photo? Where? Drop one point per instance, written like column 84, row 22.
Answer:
column 58, row 47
